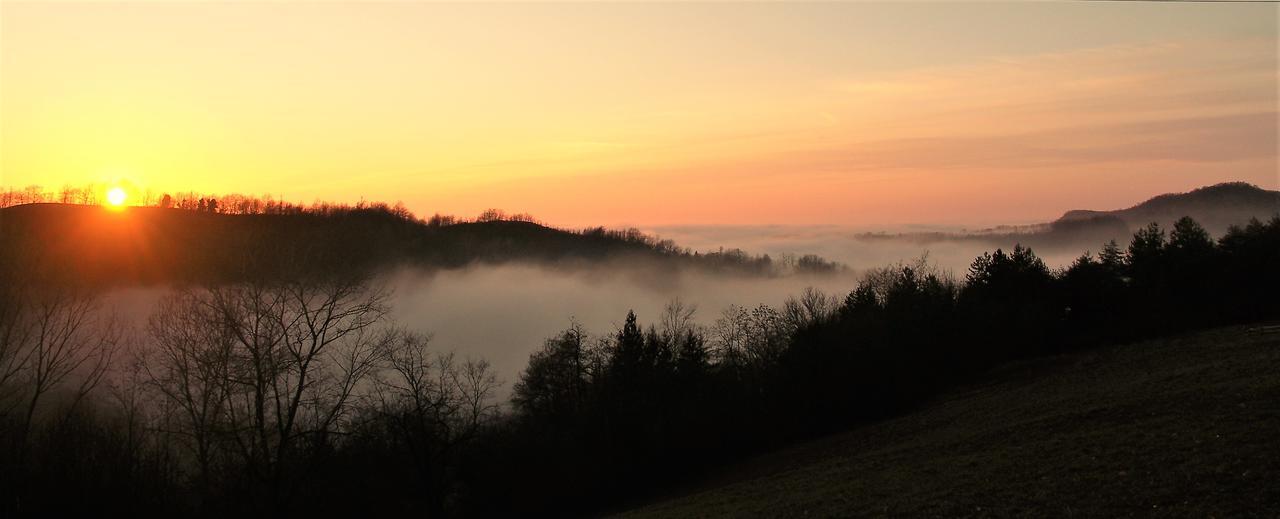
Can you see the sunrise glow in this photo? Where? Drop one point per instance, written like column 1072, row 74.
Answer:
column 116, row 197
column 587, row 114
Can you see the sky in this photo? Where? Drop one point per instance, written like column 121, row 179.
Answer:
column 858, row 114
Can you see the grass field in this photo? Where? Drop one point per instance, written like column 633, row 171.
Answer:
column 1186, row 426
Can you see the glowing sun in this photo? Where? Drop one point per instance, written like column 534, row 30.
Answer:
column 116, row 197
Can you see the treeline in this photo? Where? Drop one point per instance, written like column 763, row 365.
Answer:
column 91, row 194
column 214, row 243
column 235, row 204
column 295, row 396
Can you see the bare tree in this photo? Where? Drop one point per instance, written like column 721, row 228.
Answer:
column 677, row 320
column 51, row 338
column 813, row 306
column 750, row 339
column 437, row 404
column 188, row 365
column 455, row 398
column 261, row 368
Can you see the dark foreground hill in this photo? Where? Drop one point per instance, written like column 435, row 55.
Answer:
column 153, row 245
column 1177, row 427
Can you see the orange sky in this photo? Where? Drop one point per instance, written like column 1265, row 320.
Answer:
column 856, row 114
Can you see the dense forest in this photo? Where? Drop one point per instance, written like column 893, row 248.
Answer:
column 293, row 394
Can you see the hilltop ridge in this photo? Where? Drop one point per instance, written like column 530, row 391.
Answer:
column 1216, row 207
column 148, row 245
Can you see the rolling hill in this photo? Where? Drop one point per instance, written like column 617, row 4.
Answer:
column 148, row 245
column 1216, row 207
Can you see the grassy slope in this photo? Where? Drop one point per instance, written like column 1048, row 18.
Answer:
column 1188, row 426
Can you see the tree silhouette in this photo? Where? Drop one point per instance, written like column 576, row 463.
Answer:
column 1147, row 246
column 1189, row 238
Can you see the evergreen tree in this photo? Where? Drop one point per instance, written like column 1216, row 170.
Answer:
column 1147, row 246
column 692, row 358
column 1111, row 257
column 1189, row 238
column 629, row 349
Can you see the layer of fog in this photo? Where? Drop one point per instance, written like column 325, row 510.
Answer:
column 504, row 313
column 850, row 246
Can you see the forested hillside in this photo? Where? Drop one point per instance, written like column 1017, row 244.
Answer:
column 151, row 245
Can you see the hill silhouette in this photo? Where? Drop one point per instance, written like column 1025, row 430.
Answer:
column 1215, row 207
column 150, row 245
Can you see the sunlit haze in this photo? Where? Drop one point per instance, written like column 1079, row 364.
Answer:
column 116, row 196
column 583, row 114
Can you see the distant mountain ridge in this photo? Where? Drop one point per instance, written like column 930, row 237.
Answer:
column 1216, row 207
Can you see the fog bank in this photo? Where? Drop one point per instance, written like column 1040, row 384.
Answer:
column 505, row 313
column 850, row 246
